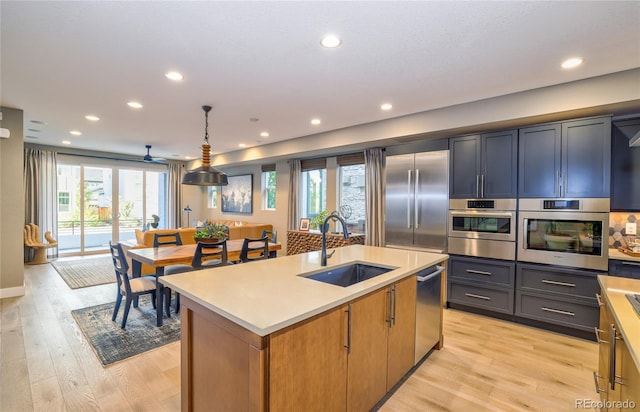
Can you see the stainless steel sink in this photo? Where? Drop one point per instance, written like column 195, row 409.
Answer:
column 348, row 275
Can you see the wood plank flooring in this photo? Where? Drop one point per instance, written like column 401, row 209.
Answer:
column 486, row 364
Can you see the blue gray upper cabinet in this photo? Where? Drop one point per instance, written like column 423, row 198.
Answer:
column 484, row 166
column 569, row 159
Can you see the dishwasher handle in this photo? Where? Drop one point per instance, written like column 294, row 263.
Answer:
column 439, row 270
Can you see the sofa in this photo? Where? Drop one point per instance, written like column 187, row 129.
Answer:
column 237, row 230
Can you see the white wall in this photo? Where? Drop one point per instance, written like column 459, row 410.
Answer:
column 11, row 205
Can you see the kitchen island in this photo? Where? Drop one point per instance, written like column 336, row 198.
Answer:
column 259, row 336
column 618, row 377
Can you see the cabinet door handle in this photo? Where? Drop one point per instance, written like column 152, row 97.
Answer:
column 478, row 272
column 630, row 263
column 392, row 306
column 613, row 337
column 597, row 331
column 473, row 295
column 477, row 186
column 348, row 345
column 553, row 282
column 561, row 312
column 599, row 300
column 482, row 186
column 595, row 380
column 558, row 188
column 409, row 199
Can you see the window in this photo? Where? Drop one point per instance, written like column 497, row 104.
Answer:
column 63, row 201
column 269, row 189
column 314, row 192
column 351, row 196
column 212, row 199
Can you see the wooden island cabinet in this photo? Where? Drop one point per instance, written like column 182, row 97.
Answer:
column 353, row 347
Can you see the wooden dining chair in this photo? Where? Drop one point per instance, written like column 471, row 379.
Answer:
column 166, row 239
column 214, row 252
column 254, row 249
column 129, row 287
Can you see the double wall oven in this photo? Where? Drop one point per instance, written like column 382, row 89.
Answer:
column 565, row 232
column 482, row 228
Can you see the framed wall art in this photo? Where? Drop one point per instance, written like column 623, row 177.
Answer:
column 304, row 224
column 237, row 195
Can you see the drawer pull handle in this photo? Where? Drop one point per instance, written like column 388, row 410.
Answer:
column 561, row 312
column 553, row 282
column 478, row 272
column 630, row 263
column 595, row 380
column 473, row 295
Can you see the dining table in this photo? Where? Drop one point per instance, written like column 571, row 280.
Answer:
column 160, row 257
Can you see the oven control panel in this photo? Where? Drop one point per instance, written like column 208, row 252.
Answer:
column 561, row 204
column 481, row 204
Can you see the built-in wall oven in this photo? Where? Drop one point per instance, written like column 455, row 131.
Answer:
column 482, row 228
column 565, row 232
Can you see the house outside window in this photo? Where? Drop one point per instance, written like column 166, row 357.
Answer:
column 269, row 187
column 351, row 196
column 212, row 198
column 63, row 201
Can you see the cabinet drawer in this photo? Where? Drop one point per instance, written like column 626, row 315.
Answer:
column 487, row 298
column 625, row 269
column 481, row 270
column 569, row 282
column 572, row 314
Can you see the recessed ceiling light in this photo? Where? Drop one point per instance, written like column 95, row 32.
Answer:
column 174, row 76
column 92, row 118
column 66, row 142
column 242, row 145
column 188, row 157
column 330, row 41
column 571, row 63
column 264, row 134
column 134, row 105
column 315, row 121
column 76, row 132
column 386, row 106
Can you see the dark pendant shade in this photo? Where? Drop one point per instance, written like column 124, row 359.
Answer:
column 205, row 176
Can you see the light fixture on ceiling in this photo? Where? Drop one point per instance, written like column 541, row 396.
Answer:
column 264, row 134
column 76, row 133
column 330, row 41
column 386, row 106
column 205, row 175
column 571, row 63
column 315, row 121
column 175, row 76
column 92, row 118
column 134, row 105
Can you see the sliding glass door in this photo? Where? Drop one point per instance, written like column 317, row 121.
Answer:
column 97, row 204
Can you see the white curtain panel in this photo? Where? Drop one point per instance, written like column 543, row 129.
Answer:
column 294, row 193
column 174, row 194
column 374, row 196
column 41, row 192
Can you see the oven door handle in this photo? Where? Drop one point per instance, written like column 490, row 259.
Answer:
column 525, row 223
column 507, row 215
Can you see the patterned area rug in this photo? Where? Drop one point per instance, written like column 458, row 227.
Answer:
column 112, row 343
column 82, row 273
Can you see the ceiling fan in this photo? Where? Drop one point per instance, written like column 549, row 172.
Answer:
column 149, row 159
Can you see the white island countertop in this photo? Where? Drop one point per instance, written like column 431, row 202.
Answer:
column 268, row 295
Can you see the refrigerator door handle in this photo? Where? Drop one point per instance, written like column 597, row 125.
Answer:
column 409, row 199
column 416, row 211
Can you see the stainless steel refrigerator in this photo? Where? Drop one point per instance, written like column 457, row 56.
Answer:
column 417, row 200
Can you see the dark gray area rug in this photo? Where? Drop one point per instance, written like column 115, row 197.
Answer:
column 82, row 273
column 112, row 343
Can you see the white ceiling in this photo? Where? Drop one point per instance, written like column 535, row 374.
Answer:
column 64, row 60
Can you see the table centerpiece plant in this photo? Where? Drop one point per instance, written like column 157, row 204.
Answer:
column 210, row 232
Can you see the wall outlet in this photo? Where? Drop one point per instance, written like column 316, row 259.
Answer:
column 630, row 229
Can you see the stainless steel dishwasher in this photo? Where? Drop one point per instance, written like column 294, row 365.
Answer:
column 428, row 310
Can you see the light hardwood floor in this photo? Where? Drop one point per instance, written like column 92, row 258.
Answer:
column 486, row 364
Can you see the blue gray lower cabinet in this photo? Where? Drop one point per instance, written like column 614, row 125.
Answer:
column 561, row 296
column 624, row 269
column 553, row 295
column 483, row 283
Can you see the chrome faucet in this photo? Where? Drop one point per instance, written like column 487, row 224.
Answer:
column 323, row 228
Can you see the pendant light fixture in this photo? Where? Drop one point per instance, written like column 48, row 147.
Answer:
column 205, row 175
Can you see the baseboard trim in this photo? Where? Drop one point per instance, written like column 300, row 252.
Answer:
column 12, row 292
